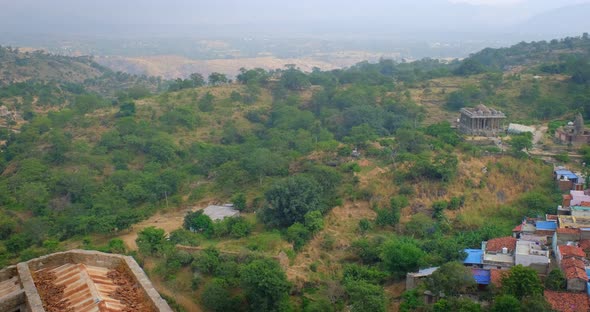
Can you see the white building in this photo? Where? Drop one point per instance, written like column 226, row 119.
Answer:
column 532, row 254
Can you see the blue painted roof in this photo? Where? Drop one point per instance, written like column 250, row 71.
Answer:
column 546, row 225
column 570, row 175
column 481, row 276
column 474, row 256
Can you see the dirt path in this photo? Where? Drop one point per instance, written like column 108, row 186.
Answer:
column 169, row 221
column 539, row 134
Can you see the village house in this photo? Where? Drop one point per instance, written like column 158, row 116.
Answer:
column 533, row 254
column 474, row 258
column 569, row 251
column 566, row 180
column 217, row 213
column 566, row 301
column 413, row 279
column 575, row 273
column 581, row 211
column 499, row 253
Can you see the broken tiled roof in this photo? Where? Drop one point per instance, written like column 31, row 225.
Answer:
column 550, row 217
column 496, row 244
column 544, row 233
column 571, row 251
column 517, row 228
column 574, row 268
column 568, row 231
column 496, row 276
column 585, row 244
column 565, row 301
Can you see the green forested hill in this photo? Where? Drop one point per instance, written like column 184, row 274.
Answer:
column 19, row 68
column 82, row 169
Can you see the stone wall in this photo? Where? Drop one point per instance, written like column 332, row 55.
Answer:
column 28, row 300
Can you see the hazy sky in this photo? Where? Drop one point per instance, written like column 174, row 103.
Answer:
column 442, row 15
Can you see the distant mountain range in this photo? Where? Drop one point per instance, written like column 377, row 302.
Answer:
column 570, row 20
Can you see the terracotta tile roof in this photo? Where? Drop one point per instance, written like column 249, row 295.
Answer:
column 517, row 228
column 585, row 204
column 550, row 217
column 571, row 251
column 574, row 268
column 496, row 244
column 568, row 196
column 565, row 301
column 585, row 244
column 496, row 276
column 568, row 231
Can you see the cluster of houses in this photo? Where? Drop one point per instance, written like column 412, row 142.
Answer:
column 555, row 241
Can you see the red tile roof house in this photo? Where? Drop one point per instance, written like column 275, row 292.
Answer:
column 567, row 302
column 564, row 235
column 565, row 251
column 499, row 253
column 575, row 273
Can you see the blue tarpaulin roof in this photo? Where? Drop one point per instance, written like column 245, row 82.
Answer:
column 481, row 276
column 568, row 174
column 474, row 256
column 546, row 225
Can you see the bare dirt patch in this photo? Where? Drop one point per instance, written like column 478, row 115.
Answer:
column 341, row 224
column 168, row 221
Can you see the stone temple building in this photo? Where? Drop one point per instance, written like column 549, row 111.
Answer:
column 481, row 120
column 78, row 281
column 574, row 133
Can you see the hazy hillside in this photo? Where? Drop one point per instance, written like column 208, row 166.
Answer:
column 16, row 66
column 130, row 173
column 566, row 20
column 39, row 67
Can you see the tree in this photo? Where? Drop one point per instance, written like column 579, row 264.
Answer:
column 151, row 240
column 556, row 280
column 239, row 201
column 456, row 304
column 521, row 142
column 265, row 285
column 126, row 109
column 506, row 303
column 314, row 221
column 206, row 102
column 216, row 296
column 294, row 79
column 298, row 234
column 522, row 281
column 290, row 199
column 198, row 79
column 198, row 222
column 535, row 303
column 401, row 256
column 364, row 226
column 452, row 278
column 216, row 79
column 469, row 67
column 365, row 297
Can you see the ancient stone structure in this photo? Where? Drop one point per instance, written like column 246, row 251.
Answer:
column 78, row 280
column 574, row 133
column 481, row 120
